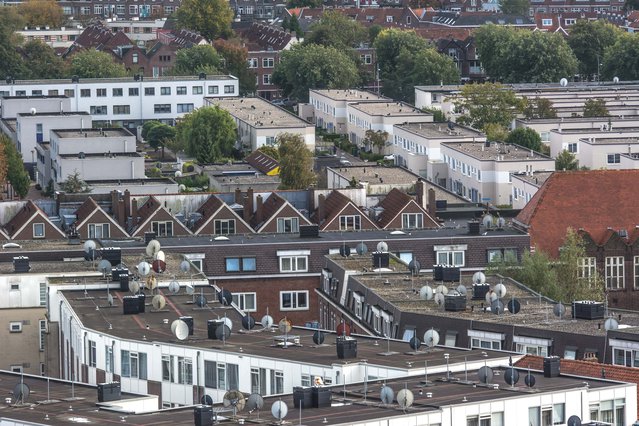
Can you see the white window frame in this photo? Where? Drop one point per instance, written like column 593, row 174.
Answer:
column 15, row 327
column 412, row 220
column 244, row 302
column 43, row 294
column 36, row 233
column 293, row 224
column 185, row 370
column 351, row 222
column 615, row 272
column 42, row 326
column 293, row 263
column 92, row 353
column 295, row 301
column 102, row 227
column 227, row 225
column 587, row 268
column 155, row 226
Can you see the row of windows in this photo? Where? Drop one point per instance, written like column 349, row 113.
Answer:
column 144, row 11
column 614, row 271
column 266, row 62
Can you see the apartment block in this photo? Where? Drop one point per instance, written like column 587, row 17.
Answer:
column 329, row 107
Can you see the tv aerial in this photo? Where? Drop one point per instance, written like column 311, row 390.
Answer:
column 441, row 289
column 159, row 264
column 387, row 395
column 20, row 393
column 158, row 302
column 185, row 266
column 152, row 248
column 144, row 269
column 440, row 299
column 491, row 296
column 461, row 289
column 206, row 400
column 426, row 293
column 134, row 287
column 563, row 82
column 279, row 410
column 90, row 250
column 485, row 375
column 415, row 343
column 500, row 290
column 574, row 420
column 497, row 307
column 431, row 338
column 234, row 399
column 223, row 332
column 254, row 402
column 189, row 289
column 615, row 80
column 200, row 301
column 248, row 322
column 414, row 266
column 514, row 306
column 361, row 249
column 405, row 398
column 104, row 267
column 382, row 247
column 180, row 329
column 479, row 278
column 285, row 326
column 529, row 380
column 174, row 287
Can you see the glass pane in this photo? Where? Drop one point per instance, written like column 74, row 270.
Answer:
column 287, row 300
column 301, row 300
column 248, row 264
column 232, row 264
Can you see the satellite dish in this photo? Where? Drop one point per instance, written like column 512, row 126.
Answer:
column 497, row 307
column 500, row 290
column 440, row 299
column 159, row 266
column 461, row 289
column 574, row 420
column 479, row 278
column 611, row 324
column 178, row 174
column 200, row 301
column 511, row 376
column 426, row 293
column 190, row 289
column 134, row 287
column 206, row 400
column 513, row 306
column 563, row 82
column 441, row 289
column 225, row 297
column 343, row 329
column 267, row 321
column 530, row 380
column 181, row 330
column 110, row 299
column 153, row 248
column 33, row 111
column 285, row 326
column 414, row 266
column 387, row 395
column 174, row 287
column 151, row 282
column 616, row 81
column 279, row 409
column 223, row 332
column 501, row 222
column 159, row 255
column 405, row 398
column 158, row 302
column 254, row 402
column 487, row 221
column 144, row 269
column 182, row 187
column 382, row 247
column 559, row 310
column 90, row 245
column 318, row 337
column 431, row 338
column 235, row 399
column 104, row 266
column 485, row 375
column 21, row 392
column 415, row 343
column 185, row 266
column 228, row 322
column 361, row 249
column 491, row 296
column 248, row 322
column 174, row 326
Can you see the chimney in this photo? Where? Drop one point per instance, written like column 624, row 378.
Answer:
column 420, row 189
column 127, row 204
column 121, row 216
column 114, row 205
column 238, row 196
column 432, row 203
column 321, row 208
column 259, row 209
column 134, row 207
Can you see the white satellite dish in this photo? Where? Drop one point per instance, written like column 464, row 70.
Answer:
column 134, row 287
column 500, row 290
column 152, row 248
column 487, row 221
column 89, row 245
column 611, row 324
column 285, row 326
column 174, row 287
column 104, row 266
column 405, row 398
column 501, row 222
column 479, row 278
column 181, row 330
column 182, row 187
column 185, row 266
column 254, row 402
column 491, row 296
column 228, row 323
column 426, row 293
column 441, row 289
column 110, row 299
column 190, row 289
column 178, row 174
column 563, row 82
column 431, row 338
column 382, row 247
column 33, row 111
column 144, row 269
column 267, row 321
column 461, row 289
column 279, row 409
column 440, row 299
column 174, row 325
column 158, row 302
column 160, row 256
column 615, row 80
column 234, row 399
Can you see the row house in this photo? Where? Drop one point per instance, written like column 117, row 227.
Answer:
column 328, row 107
column 574, row 141
column 129, row 10
column 56, row 38
column 544, row 126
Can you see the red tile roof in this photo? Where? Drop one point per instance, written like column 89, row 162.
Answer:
column 594, row 200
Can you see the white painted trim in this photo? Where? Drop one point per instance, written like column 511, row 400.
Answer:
column 532, row 341
column 485, row 335
column 293, row 253
column 623, row 344
column 451, row 247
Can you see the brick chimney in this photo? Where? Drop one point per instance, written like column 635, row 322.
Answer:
column 420, row 189
column 248, row 205
column 321, row 208
column 114, row 205
column 259, row 209
column 432, row 203
column 134, row 210
column 121, row 216
column 127, row 204
column 238, row 196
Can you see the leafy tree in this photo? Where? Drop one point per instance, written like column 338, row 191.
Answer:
column 314, row 67
column 376, row 138
column 511, row 55
column 630, row 5
column 161, row 135
column 495, row 132
column 285, row 23
column 211, row 18
column 622, row 59
column 208, row 134
column 10, row 61
column 94, row 64
column 16, row 174
column 147, row 126
column 197, row 59
column 589, row 40
column 295, row 27
column 566, row 161
column 236, row 63
column 438, row 115
column 42, row 62
column 41, row 13
column 487, row 103
column 271, row 151
column 595, row 108
column 526, row 137
column 296, row 162
column 337, row 30
column 373, row 32
column 3, row 166
column 515, row 7
column 74, row 184
column 539, row 108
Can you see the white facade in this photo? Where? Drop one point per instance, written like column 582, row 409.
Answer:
column 568, row 140
column 25, row 104
column 54, row 37
column 329, row 106
column 606, row 153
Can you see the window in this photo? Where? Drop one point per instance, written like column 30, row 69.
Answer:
column 93, row 353
column 39, row 133
column 43, row 294
column 36, row 93
column 245, row 301
column 185, row 370
column 166, row 91
column 293, row 300
column 38, row 230
column 163, row 229
column 412, row 220
column 42, row 325
column 134, row 58
column 627, row 357
column 258, row 380
column 614, row 272
column 70, row 93
column 293, row 263
column 485, row 339
column 494, row 419
column 614, row 158
column 197, row 90
column 162, row 108
column 15, row 327
column 133, row 364
column 306, row 380
column 288, row 224
column 214, row 90
column 224, row 226
column 547, row 415
column 108, row 359
column 502, row 254
column 16, row 369
column 350, row 222
column 229, row 89
column 611, row 411
column 117, row 92
column 121, row 109
column 587, row 268
column 268, row 62
column 252, row 62
column 572, row 147
column 167, row 368
column 218, row 375
column 97, row 9
column 237, row 264
column 149, row 91
column 101, row 93
column 532, row 349
column 485, row 344
column 134, row 91
column 277, row 382
column 450, row 258
column 184, row 108
column 99, row 230
column 266, row 79
column 98, row 109
column 366, row 59
column 546, row 22
column 180, row 90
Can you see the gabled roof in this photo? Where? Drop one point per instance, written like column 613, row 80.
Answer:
column 263, row 163
column 26, row 215
column 210, row 209
column 88, row 210
column 271, row 208
column 394, row 203
column 4, row 235
column 260, row 36
column 146, row 213
column 593, row 200
column 335, row 204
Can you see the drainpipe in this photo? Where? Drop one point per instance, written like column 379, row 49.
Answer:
column 60, row 342
column 197, row 379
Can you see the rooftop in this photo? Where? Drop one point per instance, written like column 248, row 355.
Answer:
column 259, row 112
column 109, row 80
column 576, row 119
column 616, row 130
column 496, row 151
column 98, row 155
column 349, row 95
column 536, row 178
column 441, row 131
column 388, row 108
column 611, row 141
column 54, row 114
column 117, row 132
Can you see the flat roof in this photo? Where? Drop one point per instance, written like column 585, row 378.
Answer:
column 546, row 87
column 577, row 119
column 99, row 155
column 536, row 178
column 116, row 132
column 349, row 95
column 113, row 80
column 258, row 112
column 388, row 108
column 611, row 141
column 54, row 114
column 441, row 130
column 31, row 96
column 615, row 130
column 506, row 152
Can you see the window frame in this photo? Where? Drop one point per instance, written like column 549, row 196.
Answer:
column 615, row 264
column 37, row 234
column 295, row 300
column 241, row 299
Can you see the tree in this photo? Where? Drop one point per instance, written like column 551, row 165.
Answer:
column 236, row 63
column 295, row 27
column 74, row 184
column 526, row 137
column 41, row 13
column 337, row 30
column 539, row 108
column 438, row 115
column 630, row 5
column 595, row 108
column 589, row 40
column 160, row 136
column 147, row 126
column 16, row 174
column 487, row 103
column 622, row 59
column 211, row 18
column 495, row 132
column 208, row 134
column 514, row 7
column 271, row 151
column 194, row 60
column 314, row 67
column 3, row 166
column 296, row 162
column 42, row 62
column 95, row 64
column 373, row 32
column 512, row 55
column 566, row 161
column 10, row 61
column 377, row 139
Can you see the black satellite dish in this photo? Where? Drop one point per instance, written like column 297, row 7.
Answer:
column 513, row 306
column 225, row 297
column 223, row 332
column 511, row 376
column 497, row 307
column 415, row 343
column 206, row 400
column 574, row 421
column 485, row 375
column 201, row 301
column 414, row 266
column 530, row 380
column 318, row 337
column 248, row 322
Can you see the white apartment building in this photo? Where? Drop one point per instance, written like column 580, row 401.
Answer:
column 543, row 126
column 137, row 30
column 55, row 37
column 329, row 107
column 526, row 185
column 561, row 139
column 481, row 172
column 127, row 101
column 606, row 153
